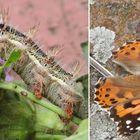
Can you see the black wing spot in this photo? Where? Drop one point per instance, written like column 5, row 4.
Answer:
column 127, row 53
column 107, row 95
column 133, row 48
column 97, row 92
column 108, row 89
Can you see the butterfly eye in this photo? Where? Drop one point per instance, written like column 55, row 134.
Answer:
column 2, row 32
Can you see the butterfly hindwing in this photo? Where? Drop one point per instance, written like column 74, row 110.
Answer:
column 109, row 91
column 121, row 97
column 127, row 115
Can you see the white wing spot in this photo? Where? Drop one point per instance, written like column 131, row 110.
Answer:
column 128, row 122
column 138, row 128
column 131, row 129
column 127, row 126
column 138, row 118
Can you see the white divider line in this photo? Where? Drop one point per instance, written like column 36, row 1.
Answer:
column 100, row 68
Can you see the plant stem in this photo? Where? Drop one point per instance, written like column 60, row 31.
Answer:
column 43, row 102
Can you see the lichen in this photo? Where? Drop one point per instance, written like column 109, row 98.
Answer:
column 102, row 40
column 92, row 1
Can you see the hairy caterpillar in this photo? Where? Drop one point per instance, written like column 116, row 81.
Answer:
column 40, row 71
column 25, row 42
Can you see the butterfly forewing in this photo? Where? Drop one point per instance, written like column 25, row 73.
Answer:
column 128, row 57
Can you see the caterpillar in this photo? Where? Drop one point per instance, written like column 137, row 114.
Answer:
column 23, row 41
column 40, row 71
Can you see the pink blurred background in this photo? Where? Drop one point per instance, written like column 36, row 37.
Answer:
column 62, row 22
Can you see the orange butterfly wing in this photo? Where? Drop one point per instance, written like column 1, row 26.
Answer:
column 110, row 91
column 128, row 57
column 121, row 97
column 127, row 114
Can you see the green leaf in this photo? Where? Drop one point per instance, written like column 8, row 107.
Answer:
column 47, row 119
column 84, row 81
column 84, row 47
column 83, row 126
column 14, row 56
column 16, row 118
column 81, row 133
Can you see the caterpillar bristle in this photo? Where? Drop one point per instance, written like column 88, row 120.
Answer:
column 55, row 50
column 76, row 68
column 4, row 16
column 32, row 31
column 1, row 19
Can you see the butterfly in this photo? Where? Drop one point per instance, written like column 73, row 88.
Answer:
column 120, row 96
